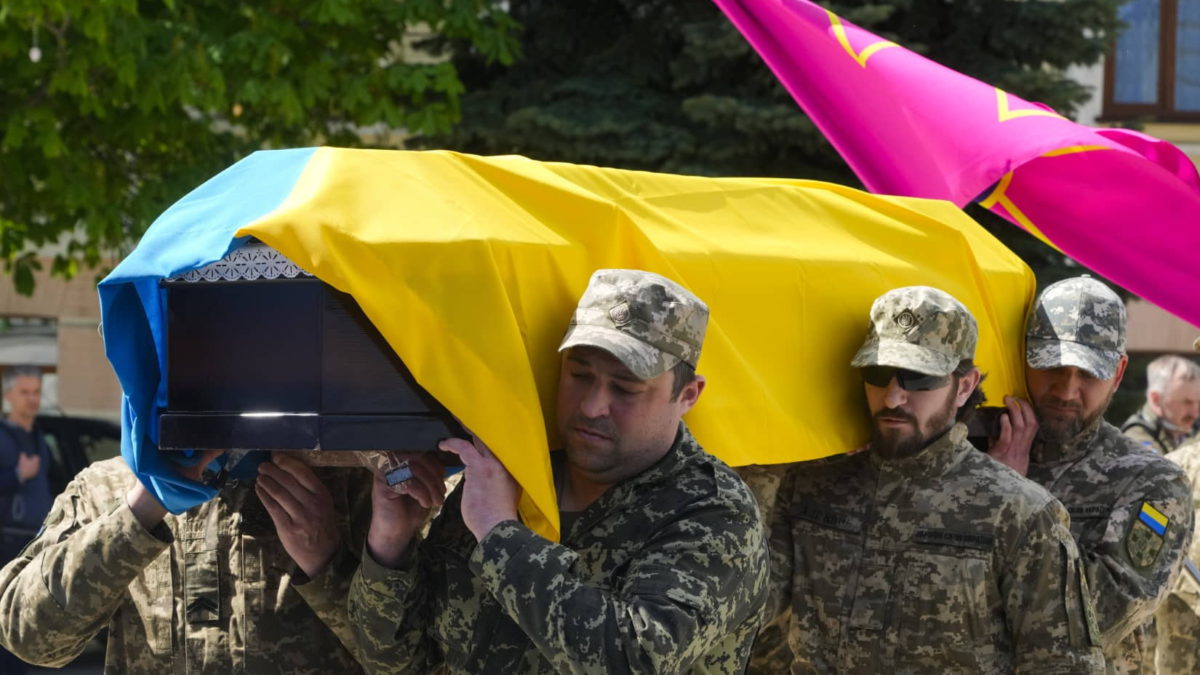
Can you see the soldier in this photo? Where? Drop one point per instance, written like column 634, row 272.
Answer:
column 1130, row 508
column 213, row 590
column 662, row 565
column 921, row 554
column 1178, row 617
column 1172, row 404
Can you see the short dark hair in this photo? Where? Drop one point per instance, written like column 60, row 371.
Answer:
column 11, row 374
column 684, row 374
column 967, row 410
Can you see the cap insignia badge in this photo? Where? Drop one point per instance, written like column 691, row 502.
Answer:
column 620, row 314
column 907, row 320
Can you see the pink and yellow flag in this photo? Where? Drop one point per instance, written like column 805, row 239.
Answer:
column 1122, row 203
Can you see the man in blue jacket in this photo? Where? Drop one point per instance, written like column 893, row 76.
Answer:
column 24, row 462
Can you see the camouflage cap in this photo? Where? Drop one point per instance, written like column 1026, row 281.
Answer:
column 647, row 321
column 1076, row 322
column 918, row 328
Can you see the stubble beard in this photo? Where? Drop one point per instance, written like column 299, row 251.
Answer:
column 1056, row 432
column 595, row 459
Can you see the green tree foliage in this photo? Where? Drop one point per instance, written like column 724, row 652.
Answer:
column 111, row 110
column 670, row 85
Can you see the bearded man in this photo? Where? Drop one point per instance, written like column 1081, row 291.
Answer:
column 922, row 554
column 1131, row 508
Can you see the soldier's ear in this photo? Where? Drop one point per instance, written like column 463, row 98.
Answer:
column 966, row 385
column 1120, row 371
column 1155, row 399
column 691, row 393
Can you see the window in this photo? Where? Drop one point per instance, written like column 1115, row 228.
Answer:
column 1154, row 67
column 101, row 447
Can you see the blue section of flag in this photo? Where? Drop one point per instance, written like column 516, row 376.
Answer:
column 194, row 232
column 1147, row 516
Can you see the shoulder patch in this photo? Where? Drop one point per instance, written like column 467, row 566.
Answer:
column 1145, row 537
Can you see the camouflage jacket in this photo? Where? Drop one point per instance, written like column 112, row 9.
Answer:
column 945, row 562
column 1131, row 514
column 665, row 572
column 1178, row 617
column 1147, row 429
column 211, row 590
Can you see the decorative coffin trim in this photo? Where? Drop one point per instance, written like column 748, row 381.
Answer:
column 249, row 262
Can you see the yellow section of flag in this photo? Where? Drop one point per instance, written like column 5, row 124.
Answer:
column 471, row 266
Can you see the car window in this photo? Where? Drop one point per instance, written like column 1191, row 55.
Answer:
column 61, row 469
column 100, row 447
column 55, row 450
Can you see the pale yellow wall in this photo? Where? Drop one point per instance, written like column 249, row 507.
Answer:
column 86, row 383
column 1185, row 136
column 1152, row 329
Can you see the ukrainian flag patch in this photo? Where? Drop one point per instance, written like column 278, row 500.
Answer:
column 1153, row 518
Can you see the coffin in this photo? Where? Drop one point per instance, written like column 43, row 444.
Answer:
column 262, row 355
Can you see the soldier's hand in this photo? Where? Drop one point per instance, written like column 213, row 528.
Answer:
column 146, row 507
column 28, row 466
column 489, row 490
column 302, row 509
column 195, row 472
column 397, row 514
column 1018, row 429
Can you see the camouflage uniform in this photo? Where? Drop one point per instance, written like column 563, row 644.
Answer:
column 940, row 562
column 666, row 571
column 1104, row 479
column 211, row 590
column 943, row 562
column 1178, row 617
column 1146, row 428
column 1130, row 508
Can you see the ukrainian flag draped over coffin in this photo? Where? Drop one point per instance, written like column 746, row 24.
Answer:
column 470, row 268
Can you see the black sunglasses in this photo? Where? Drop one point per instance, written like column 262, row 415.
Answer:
column 909, row 380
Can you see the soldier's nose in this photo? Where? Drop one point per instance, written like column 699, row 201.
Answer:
column 895, row 395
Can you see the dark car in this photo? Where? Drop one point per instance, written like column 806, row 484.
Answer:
column 75, row 442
